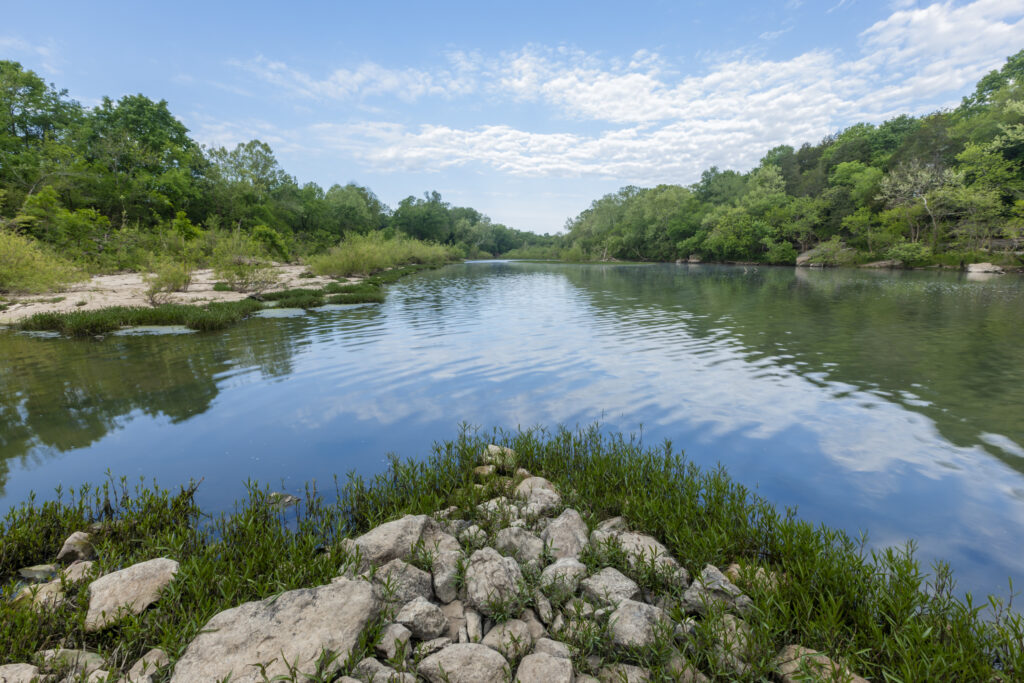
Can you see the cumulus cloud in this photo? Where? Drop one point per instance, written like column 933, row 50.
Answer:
column 46, row 55
column 647, row 123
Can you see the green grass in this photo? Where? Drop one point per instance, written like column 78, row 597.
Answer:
column 366, row 254
column 28, row 267
column 875, row 611
column 296, row 298
column 207, row 317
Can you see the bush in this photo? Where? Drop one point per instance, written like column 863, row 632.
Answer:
column 28, row 268
column 167, row 277
column 240, row 261
column 911, row 253
column 779, row 253
column 366, row 254
column 832, row 253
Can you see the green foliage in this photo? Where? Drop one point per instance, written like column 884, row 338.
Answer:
column 271, row 240
column 911, row 253
column 167, row 277
column 832, row 253
column 27, row 267
column 367, row 254
column 779, row 253
column 240, row 261
column 204, row 318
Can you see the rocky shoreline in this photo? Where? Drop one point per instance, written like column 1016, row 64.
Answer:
column 518, row 588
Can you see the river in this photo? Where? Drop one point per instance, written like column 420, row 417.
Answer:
column 891, row 402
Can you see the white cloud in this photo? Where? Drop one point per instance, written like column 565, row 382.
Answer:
column 46, row 55
column 648, row 123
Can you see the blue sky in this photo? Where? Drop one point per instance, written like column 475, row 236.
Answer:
column 525, row 110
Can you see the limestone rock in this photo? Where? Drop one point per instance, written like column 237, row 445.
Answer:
column 511, row 638
column 623, row 673
column 751, row 576
column 98, row 676
column 81, row 662
column 491, row 578
column 503, row 458
column 984, row 268
column 405, row 581
column 633, row 624
column 455, row 613
column 144, row 670
column 473, row 535
column 128, row 591
column 395, row 540
column 79, row 570
column 394, row 640
column 465, row 663
column 795, row 663
column 566, row 535
column 544, row 668
column 553, row 648
column 712, row 587
column 565, row 573
column 541, row 496
column 423, row 618
column 639, row 549
column 431, row 646
column 39, row 572
column 295, row 626
column 19, row 673
column 683, row 671
column 732, row 651
column 485, row 471
column 41, row 596
column 474, row 626
column 370, row 670
column 543, row 606
column 612, row 524
column 78, row 546
column 521, row 544
column 533, row 624
column 610, row 586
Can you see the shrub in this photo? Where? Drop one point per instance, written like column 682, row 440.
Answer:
column 780, row 253
column 167, row 277
column 832, row 253
column 240, row 261
column 366, row 254
column 271, row 240
column 911, row 253
column 28, row 268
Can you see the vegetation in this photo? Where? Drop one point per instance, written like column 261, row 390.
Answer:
column 366, row 254
column 28, row 268
column 943, row 188
column 877, row 611
column 211, row 316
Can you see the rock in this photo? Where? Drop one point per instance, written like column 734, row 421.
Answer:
column 693, row 258
column 81, row 662
column 564, row 574
column 281, row 501
column 455, row 613
column 499, row 508
column 144, row 670
column 473, row 535
column 98, row 676
column 541, row 496
column 522, row 474
column 521, row 544
column 19, row 673
column 713, row 588
column 128, row 591
column 537, row 630
column 613, row 524
column 504, row 459
column 474, row 626
column 465, row 663
column 683, row 671
column 404, row 581
column 751, row 575
column 78, row 546
column 544, row 668
column 553, row 648
column 623, row 673
column 463, row 635
column 579, row 609
column 42, row 596
column 484, row 471
column 370, row 670
column 566, row 535
column 610, row 586
column 423, row 618
column 543, row 606
column 586, row 678
column 490, row 579
column 795, row 663
column 396, row 539
column 888, row 263
column 641, row 549
column 39, row 572
column 634, row 624
column 511, row 638
column 79, row 570
column 733, row 635
column 431, row 646
column 394, row 642
column 296, row 626
column 984, row 268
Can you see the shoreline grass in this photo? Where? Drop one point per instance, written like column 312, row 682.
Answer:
column 873, row 611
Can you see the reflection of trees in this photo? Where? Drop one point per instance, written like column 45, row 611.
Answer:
column 956, row 347
column 64, row 394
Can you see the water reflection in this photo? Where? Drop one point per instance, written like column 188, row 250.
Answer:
column 870, row 400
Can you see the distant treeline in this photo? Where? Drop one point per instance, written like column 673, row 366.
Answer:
column 100, row 184
column 939, row 188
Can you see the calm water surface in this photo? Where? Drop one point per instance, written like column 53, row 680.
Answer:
column 886, row 402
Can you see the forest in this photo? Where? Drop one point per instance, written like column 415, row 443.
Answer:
column 943, row 188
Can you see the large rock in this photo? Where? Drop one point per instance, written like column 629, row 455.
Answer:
column 128, row 591
column 564, row 574
column 623, row 673
column 396, row 539
column 295, row 626
column 635, row 624
column 553, row 648
column 80, row 662
column 78, row 546
column 541, row 496
column 42, row 596
column 370, row 670
column 544, row 668
column 984, row 268
column 733, row 647
column 145, row 670
column 491, row 579
column 610, row 586
column 795, row 663
column 503, row 458
column 423, row 618
column 445, row 570
column 511, row 638
column 567, row 535
column 404, row 582
column 711, row 588
column 521, row 544
column 19, row 673
column 455, row 613
column 639, row 549
column 465, row 663
column 394, row 641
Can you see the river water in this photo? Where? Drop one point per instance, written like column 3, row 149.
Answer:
column 891, row 402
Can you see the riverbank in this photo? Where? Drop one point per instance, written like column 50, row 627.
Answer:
column 621, row 560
